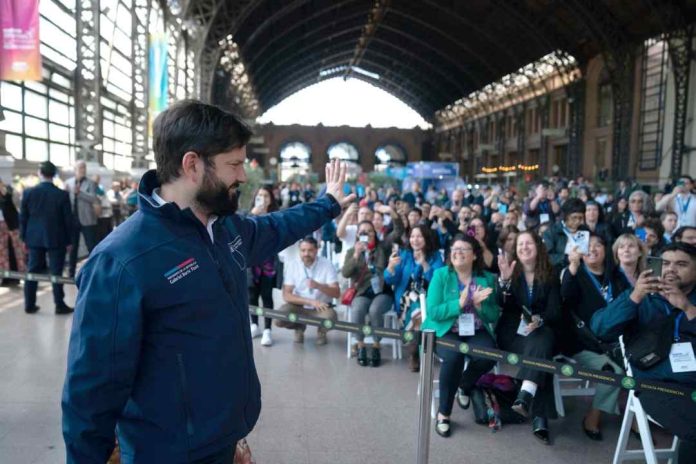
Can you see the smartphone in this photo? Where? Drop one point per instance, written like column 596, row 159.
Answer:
column 364, row 238
column 259, row 202
column 527, row 314
column 655, row 265
column 582, row 241
column 395, row 249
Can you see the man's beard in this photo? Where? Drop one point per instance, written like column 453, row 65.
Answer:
column 217, row 198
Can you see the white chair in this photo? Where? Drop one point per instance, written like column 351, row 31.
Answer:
column 564, row 386
column 634, row 409
column 391, row 321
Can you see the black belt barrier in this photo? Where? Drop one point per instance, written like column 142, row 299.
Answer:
column 407, row 336
column 36, row 277
column 552, row 367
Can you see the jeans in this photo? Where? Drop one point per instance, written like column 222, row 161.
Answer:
column 37, row 264
column 376, row 307
column 606, row 396
column 263, row 289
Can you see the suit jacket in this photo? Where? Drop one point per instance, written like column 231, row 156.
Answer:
column 86, row 200
column 46, row 219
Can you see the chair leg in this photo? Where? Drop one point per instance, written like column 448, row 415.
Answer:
column 625, row 432
column 558, row 397
column 645, row 435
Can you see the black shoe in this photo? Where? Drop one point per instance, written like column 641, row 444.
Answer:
column 521, row 404
column 362, row 356
column 442, row 427
column 463, row 400
column 64, row 309
column 592, row 434
column 31, row 310
column 375, row 357
column 540, row 429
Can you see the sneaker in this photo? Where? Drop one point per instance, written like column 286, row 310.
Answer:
column 321, row 338
column 463, row 400
column 255, row 331
column 299, row 336
column 266, row 339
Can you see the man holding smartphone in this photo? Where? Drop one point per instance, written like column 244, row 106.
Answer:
column 654, row 298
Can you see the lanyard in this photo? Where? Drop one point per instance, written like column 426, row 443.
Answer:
column 605, row 292
column 683, row 206
column 676, row 326
column 528, row 290
column 544, row 207
column 306, row 274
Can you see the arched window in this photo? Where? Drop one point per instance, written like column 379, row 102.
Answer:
column 605, row 100
column 347, row 152
column 389, row 155
column 295, row 159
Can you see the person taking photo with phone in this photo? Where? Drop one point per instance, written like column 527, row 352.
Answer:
column 562, row 237
column 682, row 201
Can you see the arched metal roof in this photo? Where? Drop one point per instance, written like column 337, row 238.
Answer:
column 429, row 53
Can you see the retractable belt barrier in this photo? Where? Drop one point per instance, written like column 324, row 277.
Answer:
column 513, row 359
column 408, row 336
column 36, row 277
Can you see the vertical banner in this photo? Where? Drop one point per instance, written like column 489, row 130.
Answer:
column 158, row 75
column 20, row 55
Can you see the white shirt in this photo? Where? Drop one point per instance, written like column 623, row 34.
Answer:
column 211, row 220
column 297, row 275
column 685, row 207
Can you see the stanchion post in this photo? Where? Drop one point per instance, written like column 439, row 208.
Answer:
column 426, row 389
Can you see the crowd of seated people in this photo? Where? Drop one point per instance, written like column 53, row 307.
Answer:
column 558, row 271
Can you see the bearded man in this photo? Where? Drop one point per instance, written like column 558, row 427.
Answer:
column 160, row 351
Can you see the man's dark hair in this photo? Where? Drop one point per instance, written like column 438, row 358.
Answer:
column 417, row 210
column 677, row 235
column 311, row 240
column 681, row 246
column 190, row 125
column 571, row 206
column 656, row 225
column 48, row 169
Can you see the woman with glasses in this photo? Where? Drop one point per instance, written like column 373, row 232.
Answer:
column 364, row 265
column 462, row 307
column 588, row 284
column 633, row 219
column 530, row 298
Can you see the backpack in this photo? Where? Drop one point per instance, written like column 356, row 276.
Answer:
column 492, row 401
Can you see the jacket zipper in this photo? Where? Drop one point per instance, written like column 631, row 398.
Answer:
column 184, row 392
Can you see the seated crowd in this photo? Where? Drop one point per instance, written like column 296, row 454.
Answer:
column 566, row 270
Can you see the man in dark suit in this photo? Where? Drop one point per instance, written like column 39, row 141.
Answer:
column 45, row 225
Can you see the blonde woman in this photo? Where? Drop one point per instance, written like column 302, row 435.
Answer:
column 629, row 256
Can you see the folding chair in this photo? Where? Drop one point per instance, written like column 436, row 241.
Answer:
column 635, row 410
column 391, row 321
column 563, row 386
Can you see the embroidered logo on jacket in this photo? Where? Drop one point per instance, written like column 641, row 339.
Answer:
column 181, row 271
column 237, row 255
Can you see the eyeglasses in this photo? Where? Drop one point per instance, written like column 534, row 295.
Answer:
column 461, row 250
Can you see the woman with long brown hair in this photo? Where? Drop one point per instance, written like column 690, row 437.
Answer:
column 530, row 298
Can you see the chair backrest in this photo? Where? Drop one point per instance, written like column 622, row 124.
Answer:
column 627, row 364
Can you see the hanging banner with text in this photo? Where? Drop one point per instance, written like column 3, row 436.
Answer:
column 20, row 55
column 158, row 82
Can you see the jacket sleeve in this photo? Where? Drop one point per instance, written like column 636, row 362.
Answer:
column 24, row 215
column 570, row 290
column 440, row 309
column 608, row 322
column 552, row 311
column 266, row 235
column 490, row 310
column 435, row 264
column 351, row 266
column 102, row 358
column 395, row 278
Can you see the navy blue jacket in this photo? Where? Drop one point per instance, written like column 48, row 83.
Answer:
column 46, row 219
column 160, row 347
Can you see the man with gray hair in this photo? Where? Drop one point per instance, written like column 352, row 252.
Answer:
column 83, row 198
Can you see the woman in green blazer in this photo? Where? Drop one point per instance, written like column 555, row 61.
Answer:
column 461, row 307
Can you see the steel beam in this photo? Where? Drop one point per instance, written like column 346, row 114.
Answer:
column 681, row 53
column 139, row 81
column 88, row 82
column 576, row 123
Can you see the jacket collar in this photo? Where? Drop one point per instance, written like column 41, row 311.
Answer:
column 148, row 205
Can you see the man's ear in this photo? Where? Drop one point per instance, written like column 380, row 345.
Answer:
column 191, row 165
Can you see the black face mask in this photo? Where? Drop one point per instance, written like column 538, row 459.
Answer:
column 216, row 197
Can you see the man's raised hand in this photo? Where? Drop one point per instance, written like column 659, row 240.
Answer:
column 335, row 178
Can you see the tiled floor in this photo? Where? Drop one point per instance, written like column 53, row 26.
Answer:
column 318, row 406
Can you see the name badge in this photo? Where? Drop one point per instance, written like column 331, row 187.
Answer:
column 376, row 285
column 681, row 356
column 544, row 217
column 522, row 329
column 466, row 325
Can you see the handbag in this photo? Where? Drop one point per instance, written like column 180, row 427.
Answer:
column 349, row 294
column 650, row 344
